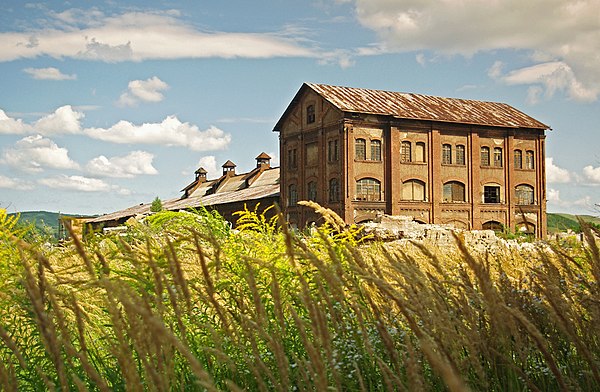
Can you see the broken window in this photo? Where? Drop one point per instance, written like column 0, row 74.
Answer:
column 454, row 191
column 518, row 159
column 491, row 194
column 405, row 152
column 497, row 157
column 446, row 154
column 460, row 155
column 524, row 194
column 368, row 189
column 376, row 150
column 485, row 156
column 310, row 114
column 360, row 149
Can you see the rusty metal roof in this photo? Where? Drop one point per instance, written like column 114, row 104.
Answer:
column 267, row 185
column 420, row 107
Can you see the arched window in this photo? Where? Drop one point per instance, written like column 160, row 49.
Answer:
column 311, row 191
column 310, row 114
column 360, row 149
column 292, row 195
column 497, row 157
column 368, row 189
column 529, row 162
column 405, row 152
column 376, row 150
column 334, row 190
column 420, row 152
column 493, row 225
column 460, row 155
column 524, row 194
column 485, row 156
column 413, row 190
column 491, row 194
column 454, row 191
column 518, row 159
column 446, row 154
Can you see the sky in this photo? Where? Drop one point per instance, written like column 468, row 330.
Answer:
column 108, row 104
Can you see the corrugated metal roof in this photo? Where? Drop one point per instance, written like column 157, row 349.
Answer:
column 267, row 185
column 421, row 107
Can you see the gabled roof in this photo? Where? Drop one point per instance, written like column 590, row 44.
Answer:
column 418, row 107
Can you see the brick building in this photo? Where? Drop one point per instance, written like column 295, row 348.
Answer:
column 364, row 153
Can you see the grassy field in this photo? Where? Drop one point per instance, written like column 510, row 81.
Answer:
column 182, row 302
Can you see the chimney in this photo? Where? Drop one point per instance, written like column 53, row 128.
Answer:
column 263, row 161
column 228, row 169
column 201, row 175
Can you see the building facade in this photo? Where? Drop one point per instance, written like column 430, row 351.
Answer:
column 364, row 153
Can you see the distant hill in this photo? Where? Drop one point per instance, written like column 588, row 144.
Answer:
column 43, row 220
column 562, row 222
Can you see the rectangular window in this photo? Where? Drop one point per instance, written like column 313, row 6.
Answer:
column 292, row 162
column 447, row 154
column 310, row 114
column 405, row 155
column 485, row 156
column 518, row 159
column 360, row 149
column 497, row 157
column 491, row 194
column 420, row 152
column 529, row 162
column 460, row 155
column 334, row 190
column 311, row 193
column 312, row 154
column 376, row 150
column 333, row 151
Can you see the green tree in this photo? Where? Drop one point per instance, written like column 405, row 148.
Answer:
column 156, row 205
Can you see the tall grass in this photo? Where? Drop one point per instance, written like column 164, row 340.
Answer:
column 182, row 302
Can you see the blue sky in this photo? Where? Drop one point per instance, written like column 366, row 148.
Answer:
column 108, row 105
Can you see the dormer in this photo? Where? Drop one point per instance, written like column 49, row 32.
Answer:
column 263, row 161
column 201, row 175
column 228, row 169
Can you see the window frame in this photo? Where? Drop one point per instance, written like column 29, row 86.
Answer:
column 376, row 147
column 360, row 149
column 488, row 197
column 420, row 145
column 461, row 157
column 446, row 154
column 518, row 159
column 311, row 191
column 406, row 152
column 311, row 117
column 368, row 189
column 334, row 190
column 524, row 195
column 450, row 190
column 529, row 160
column 292, row 197
column 498, row 161
column 333, row 150
column 412, row 182
column 485, row 156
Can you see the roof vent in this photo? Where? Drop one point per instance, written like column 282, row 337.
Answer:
column 263, row 161
column 228, row 168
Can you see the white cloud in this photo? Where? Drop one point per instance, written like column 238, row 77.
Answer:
column 553, row 31
column 64, row 120
column 592, row 174
column 553, row 195
column 15, row 183
column 137, row 36
column 143, row 90
column 49, row 73
column 79, row 183
column 209, row 163
column 11, row 126
column 421, row 60
column 128, row 166
column 554, row 76
column 555, row 174
column 170, row 132
column 34, row 153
